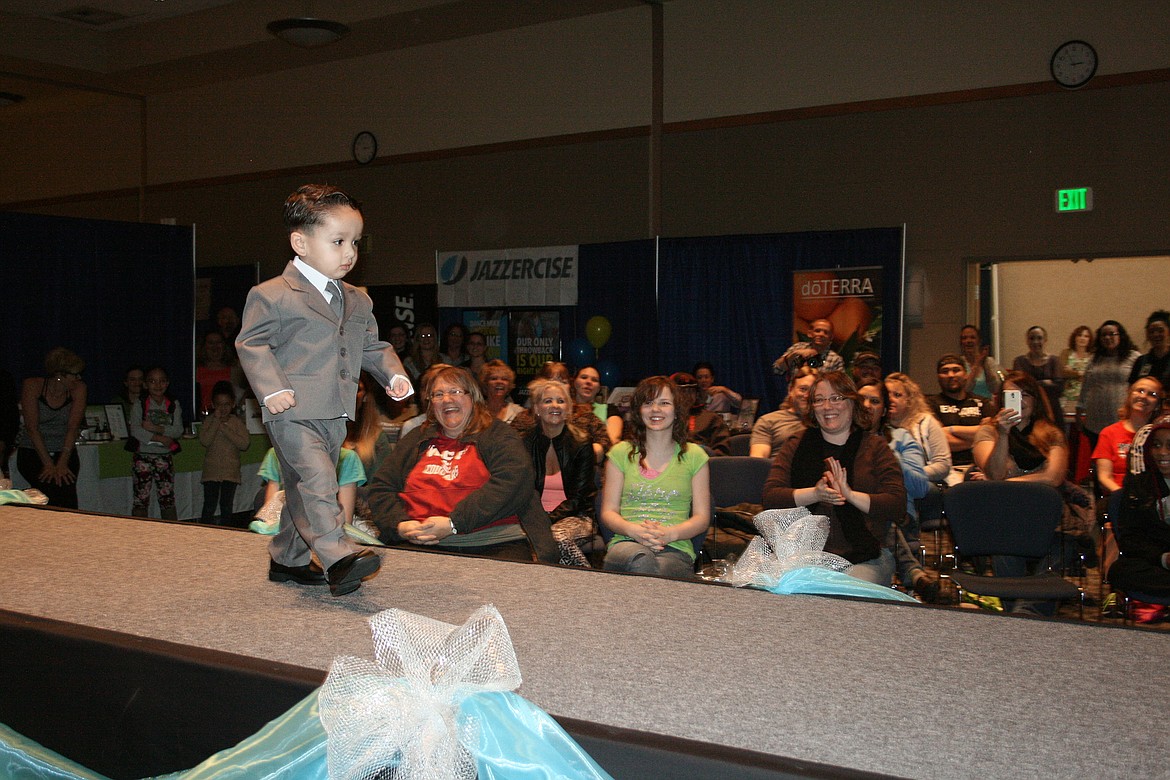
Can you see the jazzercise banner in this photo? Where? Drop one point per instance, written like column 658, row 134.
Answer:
column 544, row 276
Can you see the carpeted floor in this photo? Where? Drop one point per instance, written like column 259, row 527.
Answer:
column 899, row 689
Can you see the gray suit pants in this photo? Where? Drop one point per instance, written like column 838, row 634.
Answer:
column 312, row 520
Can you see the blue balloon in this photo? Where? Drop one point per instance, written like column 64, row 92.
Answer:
column 610, row 374
column 580, row 353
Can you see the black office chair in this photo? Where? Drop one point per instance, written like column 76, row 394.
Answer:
column 736, row 480
column 740, row 443
column 1008, row 518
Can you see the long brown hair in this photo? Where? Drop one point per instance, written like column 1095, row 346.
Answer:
column 646, row 391
column 364, row 431
column 1043, row 423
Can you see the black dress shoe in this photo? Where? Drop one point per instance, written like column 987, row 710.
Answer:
column 347, row 574
column 309, row 574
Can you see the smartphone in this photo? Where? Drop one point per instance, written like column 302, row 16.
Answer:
column 1012, row 400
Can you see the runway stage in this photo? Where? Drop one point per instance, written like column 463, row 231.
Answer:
column 171, row 636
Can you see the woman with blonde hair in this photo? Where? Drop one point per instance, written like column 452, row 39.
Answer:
column 908, row 409
column 562, row 460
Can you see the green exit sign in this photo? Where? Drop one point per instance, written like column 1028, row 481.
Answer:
column 1079, row 199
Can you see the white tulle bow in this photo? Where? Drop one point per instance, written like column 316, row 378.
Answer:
column 789, row 539
column 398, row 716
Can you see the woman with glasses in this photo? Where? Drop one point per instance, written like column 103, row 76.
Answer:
column 461, row 482
column 53, row 407
column 1111, row 453
column 1106, row 379
column 840, row 469
column 657, row 492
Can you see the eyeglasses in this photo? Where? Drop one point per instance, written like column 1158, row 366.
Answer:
column 1150, row 393
column 457, row 393
column 833, row 399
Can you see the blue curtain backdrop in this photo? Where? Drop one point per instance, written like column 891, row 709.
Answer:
column 116, row 293
column 728, row 299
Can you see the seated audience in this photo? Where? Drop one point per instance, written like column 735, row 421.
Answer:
column 461, row 482
column 424, row 353
column 983, row 373
column 54, row 410
column 476, row 351
column 773, row 429
column 657, row 493
column 815, row 353
column 399, row 337
column 563, row 461
column 866, row 368
column 1044, row 367
column 839, row 469
column 705, row 428
column 873, row 396
column 1156, row 362
column 1111, row 453
column 716, row 398
column 1143, row 523
column 366, row 437
column 452, row 350
column 498, row 380
column 1106, row 382
column 586, row 383
column 909, row 411
column 958, row 412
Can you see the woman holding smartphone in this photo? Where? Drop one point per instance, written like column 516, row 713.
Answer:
column 1022, row 441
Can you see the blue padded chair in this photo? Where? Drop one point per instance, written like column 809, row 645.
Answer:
column 1008, row 518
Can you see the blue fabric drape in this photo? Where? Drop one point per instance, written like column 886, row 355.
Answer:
column 728, row 299
column 116, row 293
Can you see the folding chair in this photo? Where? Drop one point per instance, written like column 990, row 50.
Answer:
column 1008, row 518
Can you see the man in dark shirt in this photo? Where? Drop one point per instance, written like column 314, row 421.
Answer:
column 959, row 412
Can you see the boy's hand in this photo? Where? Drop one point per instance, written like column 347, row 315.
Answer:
column 399, row 388
column 281, row 402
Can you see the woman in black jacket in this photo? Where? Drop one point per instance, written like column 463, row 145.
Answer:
column 562, row 458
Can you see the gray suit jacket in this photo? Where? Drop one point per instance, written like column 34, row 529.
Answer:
column 290, row 339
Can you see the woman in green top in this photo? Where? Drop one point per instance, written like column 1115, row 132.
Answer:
column 657, row 492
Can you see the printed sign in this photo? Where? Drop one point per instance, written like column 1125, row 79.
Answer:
column 507, row 277
column 849, row 298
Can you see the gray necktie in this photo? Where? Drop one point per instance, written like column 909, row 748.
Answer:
column 335, row 302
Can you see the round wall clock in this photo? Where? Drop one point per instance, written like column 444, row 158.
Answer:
column 365, row 147
column 1073, row 64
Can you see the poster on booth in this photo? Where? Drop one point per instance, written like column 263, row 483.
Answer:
column 849, row 298
column 535, row 339
column 493, row 324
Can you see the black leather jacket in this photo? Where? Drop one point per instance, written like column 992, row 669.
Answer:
column 577, row 471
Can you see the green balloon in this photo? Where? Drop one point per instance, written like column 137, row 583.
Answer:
column 597, row 330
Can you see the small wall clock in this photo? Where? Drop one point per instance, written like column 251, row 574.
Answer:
column 1073, row 64
column 365, row 147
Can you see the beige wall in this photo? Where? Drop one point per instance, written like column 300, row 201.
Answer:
column 969, row 179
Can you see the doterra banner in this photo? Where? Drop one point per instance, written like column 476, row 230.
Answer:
column 544, row 276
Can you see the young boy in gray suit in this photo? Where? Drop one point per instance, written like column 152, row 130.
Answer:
column 305, row 338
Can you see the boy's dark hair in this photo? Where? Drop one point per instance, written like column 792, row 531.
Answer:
column 307, row 207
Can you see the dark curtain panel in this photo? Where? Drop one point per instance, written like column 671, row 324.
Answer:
column 728, row 299
column 116, row 293
column 617, row 282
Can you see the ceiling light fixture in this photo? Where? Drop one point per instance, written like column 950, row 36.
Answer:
column 308, row 33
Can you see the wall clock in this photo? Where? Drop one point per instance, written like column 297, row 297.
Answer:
column 1073, row 64
column 365, row 147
